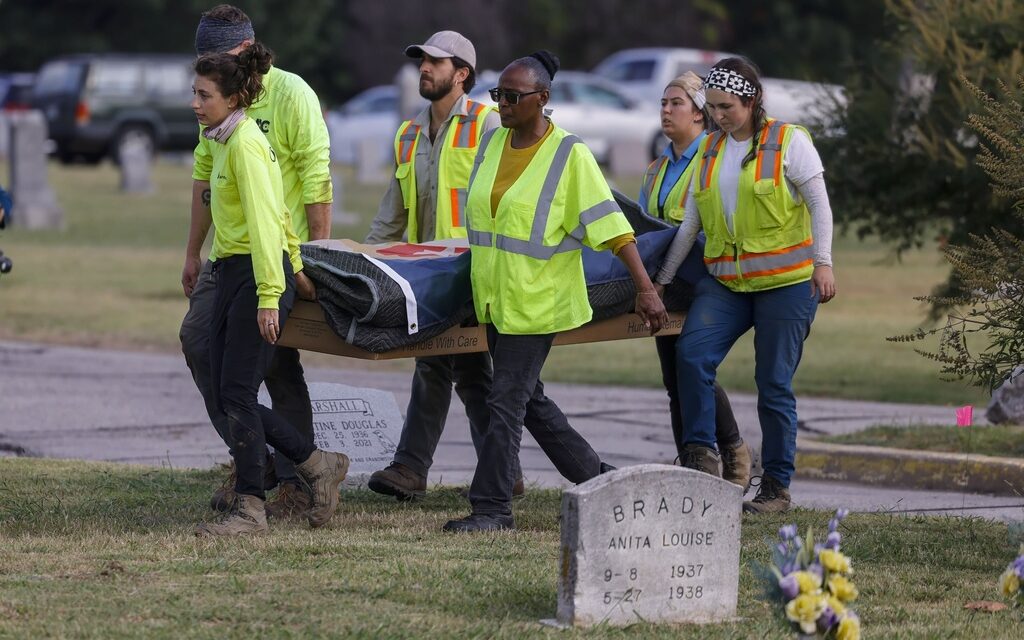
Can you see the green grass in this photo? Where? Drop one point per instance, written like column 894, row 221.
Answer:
column 107, row 551
column 112, row 276
column 988, row 440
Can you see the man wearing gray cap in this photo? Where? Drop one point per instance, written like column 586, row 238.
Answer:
column 426, row 201
column 289, row 115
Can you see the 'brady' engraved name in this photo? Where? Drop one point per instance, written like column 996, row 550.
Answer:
column 640, row 508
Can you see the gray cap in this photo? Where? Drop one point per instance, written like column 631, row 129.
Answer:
column 445, row 44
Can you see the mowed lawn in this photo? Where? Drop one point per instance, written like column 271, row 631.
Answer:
column 92, row 550
column 111, row 278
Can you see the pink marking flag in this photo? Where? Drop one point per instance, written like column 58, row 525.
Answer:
column 965, row 416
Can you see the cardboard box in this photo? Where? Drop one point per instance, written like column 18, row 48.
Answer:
column 307, row 329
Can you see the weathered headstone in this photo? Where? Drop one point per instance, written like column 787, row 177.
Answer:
column 364, row 424
column 1007, row 403
column 407, row 80
column 370, row 162
column 338, row 213
column 35, row 203
column 649, row 543
column 136, row 163
column 628, row 157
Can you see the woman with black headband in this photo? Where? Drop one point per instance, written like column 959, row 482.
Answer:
column 663, row 195
column 536, row 197
column 255, row 272
column 758, row 194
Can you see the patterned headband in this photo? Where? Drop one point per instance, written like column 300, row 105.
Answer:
column 729, row 81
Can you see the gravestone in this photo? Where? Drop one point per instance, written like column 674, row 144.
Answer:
column 1007, row 403
column 136, row 163
column 35, row 203
column 364, row 424
column 649, row 543
column 628, row 157
column 338, row 214
column 370, row 162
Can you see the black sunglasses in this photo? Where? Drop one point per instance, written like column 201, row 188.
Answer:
column 513, row 97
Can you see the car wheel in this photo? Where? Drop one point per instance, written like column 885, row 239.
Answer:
column 658, row 145
column 133, row 138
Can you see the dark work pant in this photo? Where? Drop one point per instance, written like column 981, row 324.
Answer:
column 239, row 361
column 285, row 380
column 727, row 432
column 432, row 381
column 517, row 399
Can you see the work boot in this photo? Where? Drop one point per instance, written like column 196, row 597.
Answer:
column 291, row 501
column 700, row 458
column 518, row 490
column 224, row 496
column 736, row 463
column 479, row 522
column 771, row 497
column 246, row 516
column 400, row 481
column 323, row 472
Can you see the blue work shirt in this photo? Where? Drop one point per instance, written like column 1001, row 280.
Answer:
column 673, row 171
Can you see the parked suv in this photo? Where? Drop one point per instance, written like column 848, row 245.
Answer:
column 98, row 104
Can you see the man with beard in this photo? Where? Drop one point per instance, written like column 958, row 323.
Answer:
column 426, row 201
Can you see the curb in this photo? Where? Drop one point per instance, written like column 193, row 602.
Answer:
column 911, row 469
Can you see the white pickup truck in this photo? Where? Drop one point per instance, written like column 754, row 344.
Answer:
column 644, row 73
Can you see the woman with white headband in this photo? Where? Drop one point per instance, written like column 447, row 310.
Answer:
column 758, row 193
column 663, row 195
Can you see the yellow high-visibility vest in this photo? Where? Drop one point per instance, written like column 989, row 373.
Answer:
column 675, row 202
column 771, row 244
column 527, row 268
column 460, row 146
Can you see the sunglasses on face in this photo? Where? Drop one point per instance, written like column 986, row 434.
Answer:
column 512, row 97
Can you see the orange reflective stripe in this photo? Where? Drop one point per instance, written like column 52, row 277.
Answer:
column 725, row 258
column 778, row 155
column 407, row 141
column 472, row 132
column 778, row 252
column 711, row 165
column 760, row 152
column 777, row 271
column 455, row 207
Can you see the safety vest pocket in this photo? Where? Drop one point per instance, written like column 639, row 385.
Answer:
column 402, row 173
column 515, row 220
column 711, row 217
column 769, row 207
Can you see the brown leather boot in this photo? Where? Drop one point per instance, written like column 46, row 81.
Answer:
column 398, row 480
column 704, row 459
column 736, row 464
column 290, row 502
column 245, row 517
column 224, row 496
column 324, row 472
column 771, row 497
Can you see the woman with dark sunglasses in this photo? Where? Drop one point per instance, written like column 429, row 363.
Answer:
column 536, row 198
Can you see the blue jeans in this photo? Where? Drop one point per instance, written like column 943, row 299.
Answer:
column 781, row 319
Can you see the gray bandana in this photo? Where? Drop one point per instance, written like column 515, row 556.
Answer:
column 220, row 36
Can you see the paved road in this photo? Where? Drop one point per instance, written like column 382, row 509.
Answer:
column 142, row 408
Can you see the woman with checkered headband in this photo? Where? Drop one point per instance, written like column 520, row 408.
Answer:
column 758, row 194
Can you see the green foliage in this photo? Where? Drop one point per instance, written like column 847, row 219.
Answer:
column 905, row 168
column 983, row 337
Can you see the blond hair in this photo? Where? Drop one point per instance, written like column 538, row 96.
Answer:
column 691, row 83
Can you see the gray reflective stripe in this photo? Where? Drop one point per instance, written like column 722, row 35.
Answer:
column 540, row 252
column 768, row 151
column 778, row 261
column 479, row 159
column 598, row 211
column 650, row 178
column 710, row 152
column 411, row 136
column 720, row 269
column 480, row 238
column 464, row 139
column 460, row 215
column 547, row 192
